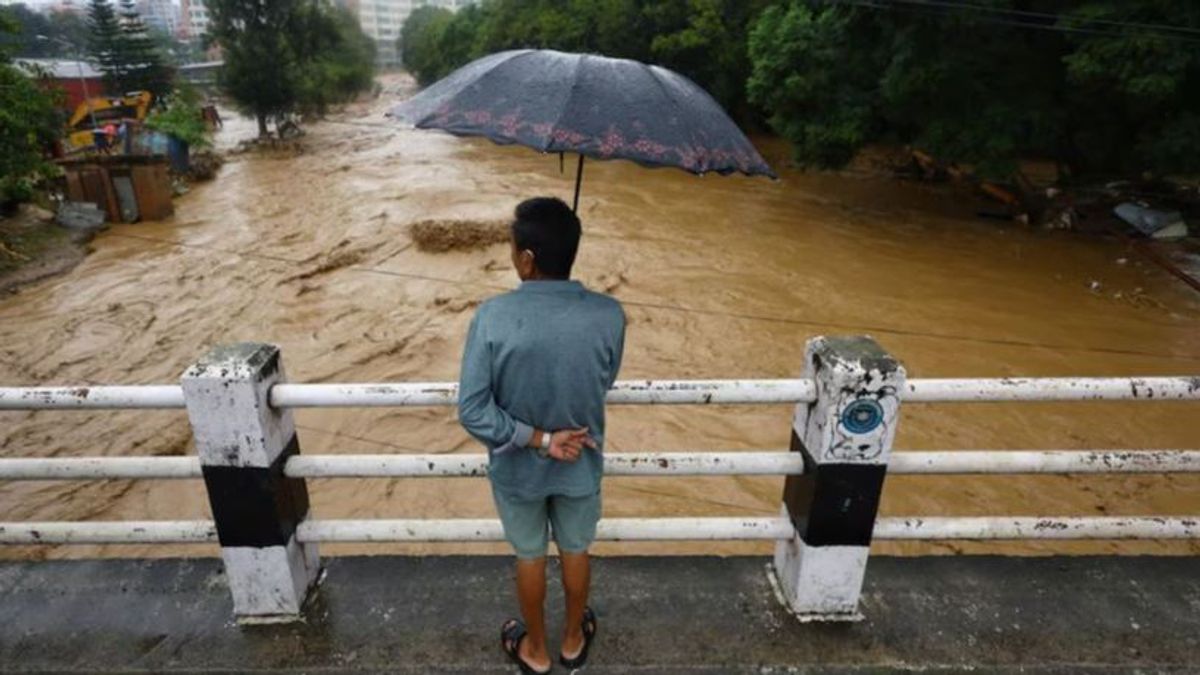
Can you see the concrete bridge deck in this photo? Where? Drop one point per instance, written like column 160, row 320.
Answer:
column 658, row 615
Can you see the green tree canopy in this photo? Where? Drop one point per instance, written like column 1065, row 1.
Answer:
column 341, row 59
column 703, row 39
column 260, row 71
column 53, row 34
column 284, row 55
column 1105, row 88
column 28, row 122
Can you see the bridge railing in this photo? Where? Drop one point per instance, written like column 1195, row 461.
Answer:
column 847, row 408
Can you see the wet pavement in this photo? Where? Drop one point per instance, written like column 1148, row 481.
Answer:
column 657, row 615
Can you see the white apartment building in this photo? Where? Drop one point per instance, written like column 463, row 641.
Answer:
column 381, row 20
column 161, row 14
column 193, row 20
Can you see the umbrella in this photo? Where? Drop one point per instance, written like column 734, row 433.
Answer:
column 595, row 106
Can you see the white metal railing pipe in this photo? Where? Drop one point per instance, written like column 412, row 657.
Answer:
column 84, row 468
column 1010, row 528
column 112, row 532
column 730, row 529
column 624, row 464
column 1043, row 461
column 618, row 529
column 608, row 529
column 623, row 392
column 626, row 392
column 89, row 397
column 615, row 464
column 1052, row 389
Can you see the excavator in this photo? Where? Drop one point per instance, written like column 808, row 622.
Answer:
column 104, row 110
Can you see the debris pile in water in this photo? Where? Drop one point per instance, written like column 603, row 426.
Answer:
column 203, row 165
column 441, row 236
column 271, row 146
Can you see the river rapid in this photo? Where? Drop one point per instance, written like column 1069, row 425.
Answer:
column 720, row 277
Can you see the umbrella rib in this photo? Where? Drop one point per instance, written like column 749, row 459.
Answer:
column 566, row 102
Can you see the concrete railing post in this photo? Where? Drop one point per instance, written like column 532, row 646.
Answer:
column 243, row 444
column 846, row 439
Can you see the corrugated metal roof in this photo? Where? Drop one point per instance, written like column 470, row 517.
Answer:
column 63, row 68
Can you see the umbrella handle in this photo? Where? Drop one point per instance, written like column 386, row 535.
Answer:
column 578, row 180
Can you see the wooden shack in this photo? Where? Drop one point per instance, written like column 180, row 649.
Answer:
column 128, row 188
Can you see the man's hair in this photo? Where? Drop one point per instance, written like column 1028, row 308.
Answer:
column 549, row 228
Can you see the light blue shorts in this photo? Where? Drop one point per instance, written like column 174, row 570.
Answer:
column 573, row 520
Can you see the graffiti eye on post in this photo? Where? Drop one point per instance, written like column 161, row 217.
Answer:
column 862, row 416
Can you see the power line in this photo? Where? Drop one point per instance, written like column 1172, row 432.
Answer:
column 1051, row 16
column 926, row 8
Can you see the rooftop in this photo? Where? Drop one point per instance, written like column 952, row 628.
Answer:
column 657, row 615
column 63, row 68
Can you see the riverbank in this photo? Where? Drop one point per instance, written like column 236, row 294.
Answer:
column 33, row 247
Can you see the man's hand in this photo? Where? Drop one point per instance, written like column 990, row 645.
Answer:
column 567, row 444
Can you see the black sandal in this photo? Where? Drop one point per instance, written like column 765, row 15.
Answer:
column 589, row 633
column 511, row 634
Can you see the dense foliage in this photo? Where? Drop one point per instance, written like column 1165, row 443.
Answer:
column 53, row 34
column 181, row 117
column 1100, row 87
column 704, row 39
column 1104, row 88
column 287, row 55
column 341, row 60
column 28, row 123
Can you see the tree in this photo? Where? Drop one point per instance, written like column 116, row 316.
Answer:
column 43, row 35
column 421, row 38
column 260, row 72
column 105, row 43
column 281, row 55
column 708, row 43
column 28, row 122
column 340, row 57
column 1103, row 89
column 144, row 67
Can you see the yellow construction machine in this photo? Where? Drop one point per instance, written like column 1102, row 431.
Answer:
column 100, row 111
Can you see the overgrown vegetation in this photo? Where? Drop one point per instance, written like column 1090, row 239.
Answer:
column 29, row 122
column 283, row 56
column 1102, row 88
column 181, row 117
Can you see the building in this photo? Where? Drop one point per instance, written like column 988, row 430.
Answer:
column 382, row 20
column 162, row 15
column 193, row 19
column 74, row 78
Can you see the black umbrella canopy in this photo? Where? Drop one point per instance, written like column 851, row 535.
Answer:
column 596, row 106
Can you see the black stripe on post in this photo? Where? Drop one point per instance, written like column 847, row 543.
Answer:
column 255, row 506
column 833, row 504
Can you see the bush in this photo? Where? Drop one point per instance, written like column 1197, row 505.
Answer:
column 181, row 118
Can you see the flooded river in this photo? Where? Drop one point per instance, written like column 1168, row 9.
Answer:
column 721, row 278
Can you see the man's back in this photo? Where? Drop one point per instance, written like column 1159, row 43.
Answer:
column 546, row 354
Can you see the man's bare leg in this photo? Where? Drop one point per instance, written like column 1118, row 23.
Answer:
column 531, row 593
column 576, row 579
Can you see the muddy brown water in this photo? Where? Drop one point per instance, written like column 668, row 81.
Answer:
column 721, row 278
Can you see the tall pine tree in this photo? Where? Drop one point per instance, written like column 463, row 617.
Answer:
column 126, row 53
column 105, row 44
column 144, row 66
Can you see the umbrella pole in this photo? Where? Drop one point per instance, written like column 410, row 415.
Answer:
column 578, row 180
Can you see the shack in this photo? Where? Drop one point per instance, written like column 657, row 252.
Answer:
column 128, row 188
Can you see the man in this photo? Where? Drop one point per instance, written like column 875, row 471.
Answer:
column 536, row 368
